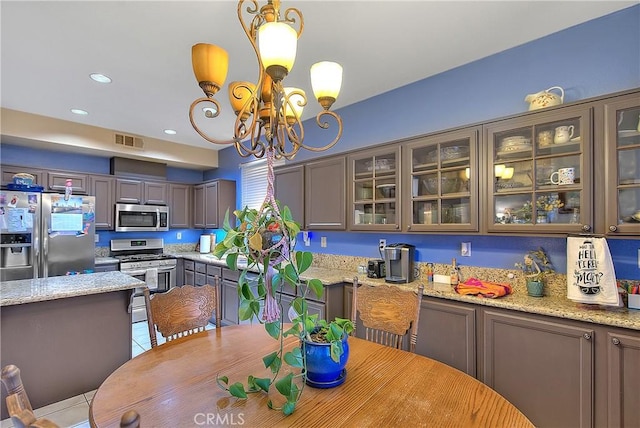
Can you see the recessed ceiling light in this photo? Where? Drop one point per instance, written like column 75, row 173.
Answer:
column 79, row 111
column 170, row 132
column 100, row 78
column 209, row 111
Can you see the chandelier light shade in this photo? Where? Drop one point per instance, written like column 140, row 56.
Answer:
column 210, row 65
column 278, row 43
column 268, row 115
column 326, row 80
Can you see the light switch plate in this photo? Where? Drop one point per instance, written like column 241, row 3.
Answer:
column 323, row 242
column 465, row 249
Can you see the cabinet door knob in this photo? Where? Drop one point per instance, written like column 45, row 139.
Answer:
column 409, row 227
column 587, row 336
column 615, row 341
column 586, row 227
column 613, row 228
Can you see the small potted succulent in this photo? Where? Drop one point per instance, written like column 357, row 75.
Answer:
column 536, row 266
column 266, row 238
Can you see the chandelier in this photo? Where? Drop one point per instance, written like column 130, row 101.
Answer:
column 268, row 114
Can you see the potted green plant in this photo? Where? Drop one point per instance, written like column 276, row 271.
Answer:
column 536, row 267
column 266, row 239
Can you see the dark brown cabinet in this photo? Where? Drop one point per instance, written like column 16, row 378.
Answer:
column 211, row 202
column 180, row 205
column 325, row 195
column 447, row 333
column 623, row 379
column 544, row 368
column 189, row 272
column 289, row 190
column 57, row 182
column 103, row 188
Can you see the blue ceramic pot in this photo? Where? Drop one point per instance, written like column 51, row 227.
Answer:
column 321, row 369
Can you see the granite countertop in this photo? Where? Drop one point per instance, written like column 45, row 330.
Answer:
column 60, row 287
column 554, row 306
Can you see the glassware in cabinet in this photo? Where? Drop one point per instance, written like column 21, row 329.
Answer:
column 622, row 183
column 374, row 191
column 539, row 180
column 442, row 182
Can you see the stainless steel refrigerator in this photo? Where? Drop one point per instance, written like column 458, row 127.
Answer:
column 45, row 234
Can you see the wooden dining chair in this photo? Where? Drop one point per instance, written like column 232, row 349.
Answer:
column 21, row 412
column 388, row 313
column 182, row 311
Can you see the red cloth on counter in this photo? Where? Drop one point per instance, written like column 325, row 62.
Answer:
column 474, row 286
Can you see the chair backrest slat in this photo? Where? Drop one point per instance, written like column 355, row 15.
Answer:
column 387, row 312
column 182, row 311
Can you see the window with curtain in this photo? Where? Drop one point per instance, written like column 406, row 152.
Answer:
column 254, row 182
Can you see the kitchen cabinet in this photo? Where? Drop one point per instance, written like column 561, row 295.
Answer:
column 544, row 368
column 447, row 333
column 622, row 379
column 103, row 188
column 155, row 193
column 129, row 191
column 289, row 190
column 324, row 195
column 8, row 171
column 539, row 174
column 57, row 182
column 211, row 202
column 107, row 267
column 200, row 274
column 180, row 205
column 621, row 166
column 374, row 189
column 327, row 306
column 441, row 182
column 189, row 272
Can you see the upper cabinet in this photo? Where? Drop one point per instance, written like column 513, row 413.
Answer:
column 325, row 194
column 622, row 166
column 374, row 189
column 155, row 193
column 57, row 182
column 129, row 191
column 8, row 171
column 539, row 174
column 289, row 190
column 211, row 202
column 103, row 188
column 441, row 177
column 180, row 205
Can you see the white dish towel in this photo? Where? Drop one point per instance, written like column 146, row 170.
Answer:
column 591, row 277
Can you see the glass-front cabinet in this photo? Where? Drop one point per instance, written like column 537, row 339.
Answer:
column 622, row 159
column 375, row 189
column 540, row 173
column 441, row 182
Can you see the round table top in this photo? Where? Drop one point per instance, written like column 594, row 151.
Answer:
column 174, row 385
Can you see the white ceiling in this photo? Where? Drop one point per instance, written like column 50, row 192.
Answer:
column 49, row 49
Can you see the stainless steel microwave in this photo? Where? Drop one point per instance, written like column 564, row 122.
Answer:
column 141, row 218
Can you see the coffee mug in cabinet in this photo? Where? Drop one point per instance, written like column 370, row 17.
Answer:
column 563, row 134
column 563, row 176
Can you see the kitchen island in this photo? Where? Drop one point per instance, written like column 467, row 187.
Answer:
column 66, row 333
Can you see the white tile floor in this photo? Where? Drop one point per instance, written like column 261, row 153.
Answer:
column 74, row 412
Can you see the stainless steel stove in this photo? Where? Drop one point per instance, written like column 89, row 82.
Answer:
column 145, row 259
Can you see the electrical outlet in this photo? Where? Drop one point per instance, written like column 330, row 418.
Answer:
column 306, row 238
column 323, row 241
column 465, row 249
column 179, row 236
column 382, row 244
column 96, row 239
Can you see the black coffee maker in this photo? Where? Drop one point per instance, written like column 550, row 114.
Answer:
column 399, row 260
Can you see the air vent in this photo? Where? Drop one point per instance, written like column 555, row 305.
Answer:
column 129, row 141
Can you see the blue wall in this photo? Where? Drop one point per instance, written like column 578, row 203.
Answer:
column 595, row 58
column 598, row 57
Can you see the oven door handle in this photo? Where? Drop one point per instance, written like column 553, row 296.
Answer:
column 165, row 269
column 135, row 272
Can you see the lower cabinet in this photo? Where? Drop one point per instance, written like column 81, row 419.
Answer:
column 447, row 333
column 544, row 368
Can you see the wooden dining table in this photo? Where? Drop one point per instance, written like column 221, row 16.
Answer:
column 174, row 385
